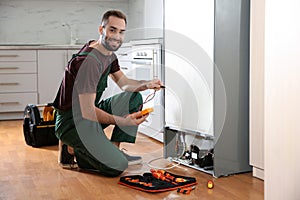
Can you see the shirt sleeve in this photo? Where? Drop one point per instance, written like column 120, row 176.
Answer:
column 114, row 65
column 88, row 76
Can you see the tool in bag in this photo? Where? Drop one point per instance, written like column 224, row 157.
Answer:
column 39, row 131
column 186, row 190
column 158, row 181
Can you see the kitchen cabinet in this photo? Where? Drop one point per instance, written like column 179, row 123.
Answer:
column 30, row 75
column 51, row 66
column 18, row 81
column 153, row 23
column 145, row 19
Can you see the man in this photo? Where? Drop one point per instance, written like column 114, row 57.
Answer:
column 81, row 115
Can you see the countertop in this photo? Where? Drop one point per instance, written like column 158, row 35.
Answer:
column 70, row 46
column 38, row 46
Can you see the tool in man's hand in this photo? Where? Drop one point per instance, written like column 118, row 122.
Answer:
column 145, row 112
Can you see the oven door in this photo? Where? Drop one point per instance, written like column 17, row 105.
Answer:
column 143, row 70
column 153, row 127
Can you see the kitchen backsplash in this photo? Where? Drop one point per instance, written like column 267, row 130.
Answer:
column 52, row 21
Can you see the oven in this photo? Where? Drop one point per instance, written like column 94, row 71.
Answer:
column 146, row 64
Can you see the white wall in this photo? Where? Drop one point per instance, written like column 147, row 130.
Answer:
column 40, row 21
column 282, row 97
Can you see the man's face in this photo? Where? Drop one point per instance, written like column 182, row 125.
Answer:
column 113, row 33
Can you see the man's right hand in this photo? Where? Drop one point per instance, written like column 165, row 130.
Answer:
column 133, row 119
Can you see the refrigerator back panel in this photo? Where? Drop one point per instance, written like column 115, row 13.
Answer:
column 189, row 66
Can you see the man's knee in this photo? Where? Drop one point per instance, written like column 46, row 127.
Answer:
column 116, row 167
column 136, row 100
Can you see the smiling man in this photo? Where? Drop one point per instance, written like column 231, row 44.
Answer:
column 81, row 113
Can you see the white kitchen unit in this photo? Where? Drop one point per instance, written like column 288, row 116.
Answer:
column 18, row 81
column 257, row 89
column 281, row 99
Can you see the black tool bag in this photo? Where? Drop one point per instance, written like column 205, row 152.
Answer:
column 39, row 131
column 157, row 181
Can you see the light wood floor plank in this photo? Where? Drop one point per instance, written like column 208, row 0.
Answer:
column 33, row 173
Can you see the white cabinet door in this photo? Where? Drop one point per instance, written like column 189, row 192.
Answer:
column 257, row 87
column 51, row 65
column 153, row 18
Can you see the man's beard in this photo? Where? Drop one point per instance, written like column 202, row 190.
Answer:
column 106, row 43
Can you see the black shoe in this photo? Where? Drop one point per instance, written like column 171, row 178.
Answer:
column 67, row 161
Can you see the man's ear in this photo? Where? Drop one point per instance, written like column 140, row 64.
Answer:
column 101, row 29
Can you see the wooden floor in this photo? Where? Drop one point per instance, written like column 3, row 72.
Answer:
column 33, row 173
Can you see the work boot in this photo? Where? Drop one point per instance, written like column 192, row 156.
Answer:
column 66, row 160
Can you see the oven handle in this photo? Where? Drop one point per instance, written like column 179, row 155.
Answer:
column 141, row 62
column 155, row 64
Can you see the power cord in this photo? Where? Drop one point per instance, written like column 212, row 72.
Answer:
column 179, row 139
column 164, row 168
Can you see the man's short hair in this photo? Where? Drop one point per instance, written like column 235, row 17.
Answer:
column 115, row 13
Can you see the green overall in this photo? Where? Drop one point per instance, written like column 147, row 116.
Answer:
column 93, row 150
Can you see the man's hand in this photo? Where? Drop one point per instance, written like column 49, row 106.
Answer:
column 154, row 84
column 133, row 119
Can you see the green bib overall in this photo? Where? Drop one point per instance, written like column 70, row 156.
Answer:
column 93, row 150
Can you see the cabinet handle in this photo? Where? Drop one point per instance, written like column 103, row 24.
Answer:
column 141, row 62
column 9, row 56
column 14, row 83
column 155, row 64
column 9, row 103
column 9, row 68
column 123, row 54
column 125, row 68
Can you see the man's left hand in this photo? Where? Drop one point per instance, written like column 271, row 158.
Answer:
column 154, row 84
